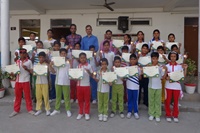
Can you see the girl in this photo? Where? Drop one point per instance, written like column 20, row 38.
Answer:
column 140, row 39
column 127, row 42
column 171, row 38
column 156, row 37
column 103, row 91
column 173, row 89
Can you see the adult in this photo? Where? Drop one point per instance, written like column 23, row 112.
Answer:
column 89, row 39
column 73, row 38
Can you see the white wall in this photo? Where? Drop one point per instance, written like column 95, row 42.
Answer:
column 165, row 22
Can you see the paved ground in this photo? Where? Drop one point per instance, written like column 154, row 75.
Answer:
column 25, row 123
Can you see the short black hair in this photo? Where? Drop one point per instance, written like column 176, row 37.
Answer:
column 39, row 42
column 42, row 54
column 77, row 44
column 156, row 30
column 88, row 26
column 155, row 54
column 21, row 39
column 171, row 34
column 145, row 45
column 32, row 33
column 92, row 46
column 106, row 42
column 84, row 54
column 103, row 60
column 160, row 47
column 108, row 31
column 50, row 30
column 63, row 50
column 57, row 42
column 125, row 48
column 62, row 37
column 133, row 56
column 173, row 52
column 174, row 46
column 117, row 58
column 72, row 25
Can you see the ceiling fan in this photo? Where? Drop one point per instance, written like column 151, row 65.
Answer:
column 107, row 5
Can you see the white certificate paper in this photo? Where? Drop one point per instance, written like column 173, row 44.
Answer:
column 143, row 61
column 161, row 59
column 156, row 45
column 176, row 76
column 76, row 73
column 32, row 43
column 122, row 72
column 180, row 60
column 40, row 70
column 47, row 45
column 43, row 50
column 118, row 43
column 75, row 53
column 169, row 45
column 109, row 77
column 126, row 57
column 133, row 71
column 58, row 61
column 151, row 71
column 29, row 48
column 12, row 69
column 139, row 46
column 55, row 53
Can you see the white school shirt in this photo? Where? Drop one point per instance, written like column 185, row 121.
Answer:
column 110, row 57
column 173, row 85
column 132, row 82
column 156, row 82
column 85, row 81
column 24, row 75
column 42, row 79
column 119, row 81
column 151, row 41
column 93, row 64
column 103, row 88
column 62, row 75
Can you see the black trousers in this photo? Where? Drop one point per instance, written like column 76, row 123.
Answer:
column 144, row 84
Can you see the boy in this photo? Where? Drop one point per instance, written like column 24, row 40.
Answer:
column 50, row 37
column 83, row 88
column 32, row 36
column 21, row 42
column 23, row 83
column 155, row 89
column 62, row 84
column 42, row 89
column 94, row 63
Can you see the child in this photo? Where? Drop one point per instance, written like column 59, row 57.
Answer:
column 176, row 49
column 117, row 92
column 42, row 89
column 56, row 47
column 103, row 91
column 106, row 53
column 171, row 38
column 21, row 42
column 62, row 84
column 127, row 42
column 50, row 37
column 132, row 84
column 63, row 42
column 32, row 36
column 173, row 89
column 144, row 81
column 155, row 90
column 140, row 39
column 156, row 38
column 23, row 83
column 94, row 63
column 83, row 88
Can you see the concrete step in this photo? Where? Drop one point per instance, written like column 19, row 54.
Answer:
column 191, row 97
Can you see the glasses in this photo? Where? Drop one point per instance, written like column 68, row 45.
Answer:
column 22, row 52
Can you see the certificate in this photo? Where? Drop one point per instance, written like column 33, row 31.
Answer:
column 43, row 50
column 139, row 46
column 47, row 45
column 156, row 45
column 143, row 61
column 40, row 70
column 161, row 59
column 176, row 76
column 151, row 71
column 55, row 53
column 76, row 73
column 109, row 77
column 32, row 43
column 180, row 60
column 118, row 43
column 122, row 72
column 75, row 53
column 59, row 61
column 29, row 48
column 169, row 45
column 12, row 69
column 89, row 54
column 133, row 71
column 126, row 57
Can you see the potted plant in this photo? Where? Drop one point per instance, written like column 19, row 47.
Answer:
column 190, row 79
column 2, row 89
column 12, row 79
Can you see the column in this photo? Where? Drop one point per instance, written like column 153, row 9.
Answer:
column 198, row 87
column 5, row 33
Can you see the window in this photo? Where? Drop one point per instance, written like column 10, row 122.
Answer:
column 63, row 23
column 141, row 21
column 106, row 22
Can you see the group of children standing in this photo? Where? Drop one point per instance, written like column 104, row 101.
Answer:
column 156, row 90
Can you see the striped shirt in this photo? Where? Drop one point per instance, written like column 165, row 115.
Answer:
column 132, row 82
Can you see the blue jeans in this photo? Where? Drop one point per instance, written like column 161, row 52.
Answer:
column 93, row 85
column 132, row 100
column 52, row 94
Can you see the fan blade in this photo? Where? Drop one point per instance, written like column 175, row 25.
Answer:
column 96, row 5
column 111, row 3
column 110, row 8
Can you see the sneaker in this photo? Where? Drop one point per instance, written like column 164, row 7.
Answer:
column 176, row 120
column 168, row 119
column 38, row 112
column 122, row 115
column 100, row 117
column 105, row 118
column 136, row 116
column 31, row 112
column 112, row 114
column 129, row 114
column 94, row 101
column 79, row 116
column 62, row 101
column 13, row 114
column 72, row 100
column 76, row 100
column 48, row 113
column 151, row 118
column 158, row 119
column 87, row 117
column 50, row 100
column 69, row 114
column 54, row 113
